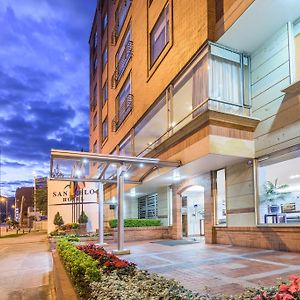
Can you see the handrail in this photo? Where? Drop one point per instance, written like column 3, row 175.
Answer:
column 206, row 101
column 123, row 111
column 122, row 64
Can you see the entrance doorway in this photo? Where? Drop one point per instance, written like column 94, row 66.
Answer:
column 192, row 211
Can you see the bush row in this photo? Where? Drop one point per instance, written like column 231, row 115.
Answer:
column 82, row 268
column 135, row 223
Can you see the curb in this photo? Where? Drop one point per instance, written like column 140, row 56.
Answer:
column 63, row 287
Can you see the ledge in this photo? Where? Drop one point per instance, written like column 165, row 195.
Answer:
column 294, row 88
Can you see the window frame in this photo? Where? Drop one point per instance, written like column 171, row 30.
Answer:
column 104, row 93
column 147, row 198
column 117, row 15
column 167, row 27
column 216, row 224
column 104, row 126
column 105, row 51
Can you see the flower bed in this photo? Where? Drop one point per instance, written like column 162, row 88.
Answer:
column 98, row 274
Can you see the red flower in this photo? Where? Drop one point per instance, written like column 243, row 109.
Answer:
column 283, row 288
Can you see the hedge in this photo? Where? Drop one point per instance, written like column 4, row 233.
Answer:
column 135, row 223
column 82, row 268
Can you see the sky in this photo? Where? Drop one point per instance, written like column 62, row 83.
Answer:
column 44, row 84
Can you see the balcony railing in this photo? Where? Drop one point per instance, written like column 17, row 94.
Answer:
column 123, row 111
column 208, row 104
column 93, row 105
column 122, row 64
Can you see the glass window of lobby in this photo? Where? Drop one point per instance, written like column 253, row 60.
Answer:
column 279, row 188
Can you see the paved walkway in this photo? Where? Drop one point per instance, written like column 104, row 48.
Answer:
column 25, row 267
column 220, row 268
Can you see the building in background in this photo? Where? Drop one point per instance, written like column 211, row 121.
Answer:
column 24, row 203
column 7, row 208
column 215, row 85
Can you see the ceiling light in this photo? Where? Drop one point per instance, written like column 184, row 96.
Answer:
column 141, row 165
column 295, row 176
column 85, row 161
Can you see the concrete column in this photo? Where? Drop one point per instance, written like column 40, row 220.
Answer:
column 100, row 213
column 176, row 214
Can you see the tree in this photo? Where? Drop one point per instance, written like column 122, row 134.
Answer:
column 83, row 218
column 42, row 200
column 58, row 220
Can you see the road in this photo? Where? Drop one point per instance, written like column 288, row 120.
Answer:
column 26, row 268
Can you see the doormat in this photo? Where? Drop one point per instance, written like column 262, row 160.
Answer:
column 175, row 242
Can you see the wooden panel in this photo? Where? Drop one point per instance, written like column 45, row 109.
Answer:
column 270, row 94
column 279, row 73
column 268, row 66
column 278, row 41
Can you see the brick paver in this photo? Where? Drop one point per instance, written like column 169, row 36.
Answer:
column 218, row 268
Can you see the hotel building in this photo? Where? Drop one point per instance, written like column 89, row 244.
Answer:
column 214, row 84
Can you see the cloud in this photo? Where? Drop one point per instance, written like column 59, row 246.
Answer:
column 44, row 84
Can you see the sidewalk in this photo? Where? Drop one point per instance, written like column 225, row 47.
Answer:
column 25, row 268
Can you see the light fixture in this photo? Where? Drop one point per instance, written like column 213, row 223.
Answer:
column 141, row 165
column 85, row 161
column 78, row 173
column 113, row 165
column 132, row 192
column 295, row 176
column 126, row 175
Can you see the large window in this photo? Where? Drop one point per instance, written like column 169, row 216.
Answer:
column 96, row 39
column 149, row 132
column 104, row 130
column 95, row 121
column 104, row 93
column 125, row 147
column 104, row 58
column 160, row 34
column 95, row 148
column 297, row 48
column 121, row 14
column 124, row 101
column 220, row 198
column 104, row 22
column 147, row 207
column 279, row 189
column 124, row 54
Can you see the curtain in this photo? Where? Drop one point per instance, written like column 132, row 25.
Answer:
column 224, row 84
column 200, row 85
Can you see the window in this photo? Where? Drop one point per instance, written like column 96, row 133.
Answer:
column 95, row 121
column 104, row 93
column 96, row 39
column 279, row 189
column 104, row 58
column 125, row 147
column 104, row 22
column 220, row 197
column 147, row 207
column 124, row 101
column 124, row 54
column 297, row 48
column 104, row 130
column 121, row 14
column 95, row 96
column 95, row 148
column 160, row 35
column 95, row 64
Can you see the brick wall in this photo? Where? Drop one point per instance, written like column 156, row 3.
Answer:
column 144, row 233
column 277, row 238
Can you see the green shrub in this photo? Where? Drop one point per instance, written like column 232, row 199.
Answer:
column 135, row 223
column 82, row 268
column 83, row 218
column 58, row 220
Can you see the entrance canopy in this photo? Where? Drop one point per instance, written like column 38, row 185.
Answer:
column 87, row 166
column 103, row 168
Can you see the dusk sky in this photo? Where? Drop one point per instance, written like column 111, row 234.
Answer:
column 44, row 75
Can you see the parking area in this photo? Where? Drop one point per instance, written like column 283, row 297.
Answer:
column 218, row 268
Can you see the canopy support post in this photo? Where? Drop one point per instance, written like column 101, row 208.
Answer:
column 100, row 213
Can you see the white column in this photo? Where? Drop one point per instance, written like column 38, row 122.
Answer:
column 100, row 213
column 120, row 195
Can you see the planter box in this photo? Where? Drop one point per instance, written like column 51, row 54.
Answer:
column 143, row 233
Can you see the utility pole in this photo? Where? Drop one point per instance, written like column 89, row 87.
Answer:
column 34, row 199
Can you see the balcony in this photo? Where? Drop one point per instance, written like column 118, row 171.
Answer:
column 122, row 64
column 123, row 111
column 210, row 97
column 93, row 105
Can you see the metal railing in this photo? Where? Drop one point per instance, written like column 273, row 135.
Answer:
column 93, row 105
column 123, row 112
column 122, row 64
column 208, row 104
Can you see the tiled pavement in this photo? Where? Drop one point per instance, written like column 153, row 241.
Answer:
column 218, row 268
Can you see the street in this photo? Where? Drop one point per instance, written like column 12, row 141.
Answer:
column 25, row 268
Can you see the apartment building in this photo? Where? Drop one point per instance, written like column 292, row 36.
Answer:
column 214, row 84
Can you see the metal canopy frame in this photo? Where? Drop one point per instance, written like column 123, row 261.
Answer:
column 122, row 164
